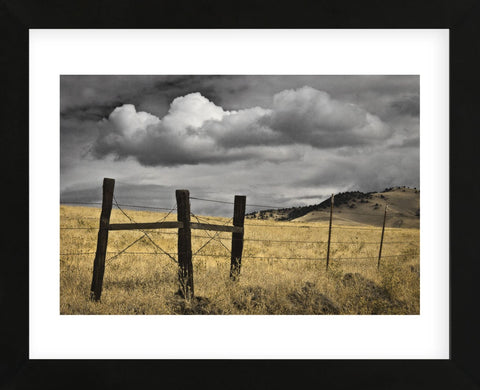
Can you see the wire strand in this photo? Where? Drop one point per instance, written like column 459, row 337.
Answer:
column 80, row 203
column 144, row 232
column 143, row 207
column 247, row 205
column 123, row 251
column 211, row 237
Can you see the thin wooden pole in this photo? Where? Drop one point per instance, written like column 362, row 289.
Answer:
column 185, row 271
column 330, row 230
column 237, row 238
column 381, row 240
column 99, row 262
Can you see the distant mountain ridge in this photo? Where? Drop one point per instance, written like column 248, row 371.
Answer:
column 357, row 208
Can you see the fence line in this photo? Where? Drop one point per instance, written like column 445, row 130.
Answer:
column 144, row 232
column 247, row 205
column 248, row 257
column 124, row 250
column 120, row 204
column 151, row 231
column 214, row 237
column 117, row 253
column 77, row 218
column 316, row 258
column 98, row 203
column 250, row 224
column 184, row 227
column 144, row 207
column 337, row 213
column 78, row 228
column 359, row 228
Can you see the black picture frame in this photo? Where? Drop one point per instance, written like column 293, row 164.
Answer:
column 460, row 371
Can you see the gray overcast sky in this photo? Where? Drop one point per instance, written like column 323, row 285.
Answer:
column 280, row 140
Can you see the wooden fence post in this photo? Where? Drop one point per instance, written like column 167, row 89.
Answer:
column 99, row 262
column 329, row 230
column 381, row 240
column 237, row 238
column 185, row 271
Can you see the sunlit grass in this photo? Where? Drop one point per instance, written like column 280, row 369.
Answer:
column 145, row 283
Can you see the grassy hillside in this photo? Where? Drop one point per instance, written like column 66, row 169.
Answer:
column 272, row 280
column 357, row 208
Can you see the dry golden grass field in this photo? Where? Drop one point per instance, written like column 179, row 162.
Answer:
column 145, row 283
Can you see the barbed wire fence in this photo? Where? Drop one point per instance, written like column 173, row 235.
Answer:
column 221, row 239
column 205, row 223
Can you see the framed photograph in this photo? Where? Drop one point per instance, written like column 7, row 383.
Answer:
column 244, row 198
column 284, row 247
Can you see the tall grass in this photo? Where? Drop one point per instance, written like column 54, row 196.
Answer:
column 146, row 283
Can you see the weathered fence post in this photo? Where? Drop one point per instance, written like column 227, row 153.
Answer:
column 237, row 238
column 381, row 240
column 99, row 262
column 329, row 231
column 185, row 271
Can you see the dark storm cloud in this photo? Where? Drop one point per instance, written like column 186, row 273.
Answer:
column 407, row 105
column 99, row 93
column 371, row 171
column 413, row 142
column 229, row 91
column 205, row 85
column 89, row 112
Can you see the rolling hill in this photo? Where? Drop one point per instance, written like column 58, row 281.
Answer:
column 357, row 208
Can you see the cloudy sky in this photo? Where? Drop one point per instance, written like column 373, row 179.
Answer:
column 280, row 140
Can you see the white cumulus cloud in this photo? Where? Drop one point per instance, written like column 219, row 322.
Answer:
column 195, row 130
